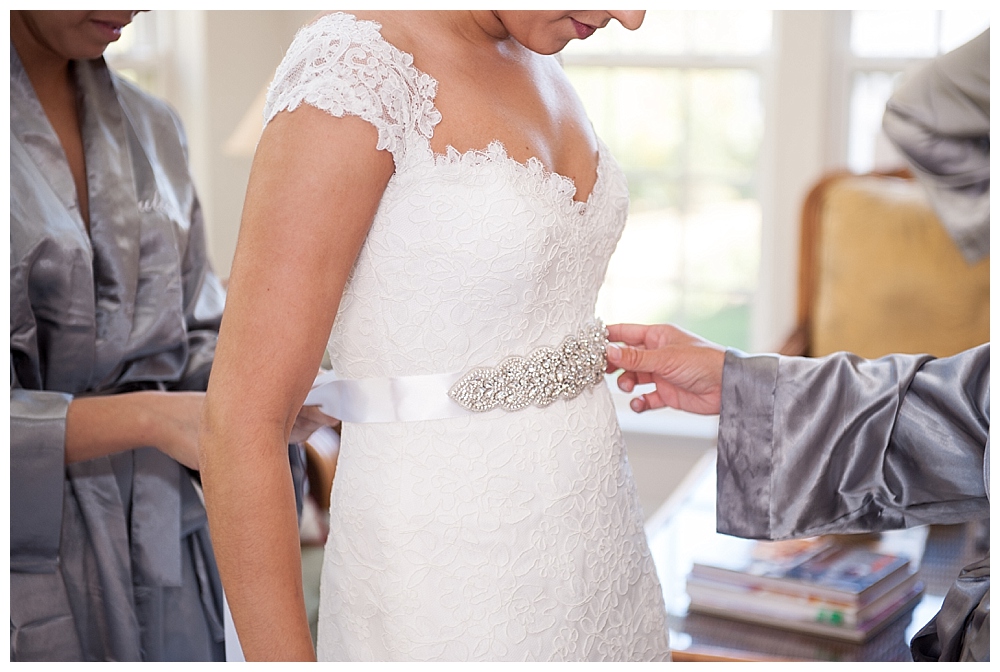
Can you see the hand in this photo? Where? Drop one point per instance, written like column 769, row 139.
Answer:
column 686, row 369
column 309, row 419
column 174, row 419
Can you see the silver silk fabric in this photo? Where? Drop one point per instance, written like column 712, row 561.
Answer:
column 841, row 444
column 939, row 119
column 110, row 558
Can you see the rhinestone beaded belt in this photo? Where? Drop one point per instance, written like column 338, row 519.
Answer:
column 540, row 378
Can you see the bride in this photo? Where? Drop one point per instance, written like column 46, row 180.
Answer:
column 429, row 201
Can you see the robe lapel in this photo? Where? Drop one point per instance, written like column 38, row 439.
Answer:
column 114, row 213
column 32, row 128
column 116, row 165
column 47, row 202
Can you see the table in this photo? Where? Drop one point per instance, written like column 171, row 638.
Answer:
column 683, row 530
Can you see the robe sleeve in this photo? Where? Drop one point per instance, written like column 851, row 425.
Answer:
column 37, row 474
column 841, row 444
column 939, row 120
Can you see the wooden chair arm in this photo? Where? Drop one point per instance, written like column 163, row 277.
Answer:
column 322, row 450
column 797, row 343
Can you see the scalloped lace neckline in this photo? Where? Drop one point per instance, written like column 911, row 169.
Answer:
column 533, row 168
column 562, row 188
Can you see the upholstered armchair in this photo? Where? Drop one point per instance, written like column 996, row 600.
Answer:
column 878, row 273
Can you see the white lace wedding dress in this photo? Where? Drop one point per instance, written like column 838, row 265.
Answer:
column 455, row 535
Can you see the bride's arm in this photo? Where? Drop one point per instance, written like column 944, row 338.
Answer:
column 314, row 188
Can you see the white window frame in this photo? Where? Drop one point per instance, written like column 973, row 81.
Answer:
column 670, row 422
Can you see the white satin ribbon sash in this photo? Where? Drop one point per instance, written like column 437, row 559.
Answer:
column 399, row 399
column 538, row 379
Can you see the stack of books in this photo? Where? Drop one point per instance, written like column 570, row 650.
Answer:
column 819, row 586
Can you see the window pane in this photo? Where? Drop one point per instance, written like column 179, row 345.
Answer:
column 718, row 317
column 958, row 27
column 726, row 123
column 913, row 35
column 745, row 32
column 688, row 141
column 868, row 149
column 135, row 55
column 910, row 33
column 638, row 112
column 660, row 33
column 138, row 39
column 644, row 282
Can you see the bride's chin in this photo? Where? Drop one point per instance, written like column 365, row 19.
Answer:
column 552, row 47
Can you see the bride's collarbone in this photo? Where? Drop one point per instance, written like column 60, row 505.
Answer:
column 528, row 127
column 518, row 98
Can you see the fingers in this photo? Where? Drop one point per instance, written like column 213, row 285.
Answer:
column 652, row 336
column 626, row 382
column 630, row 334
column 634, row 359
column 314, row 414
column 653, row 400
column 638, row 405
column 310, row 419
column 629, row 379
column 646, row 402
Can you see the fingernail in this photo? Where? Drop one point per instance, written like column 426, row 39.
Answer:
column 614, row 353
column 636, row 405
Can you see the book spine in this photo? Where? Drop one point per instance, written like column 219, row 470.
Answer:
column 799, row 587
column 857, row 633
column 775, row 606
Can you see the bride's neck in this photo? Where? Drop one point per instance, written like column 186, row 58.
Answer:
column 473, row 33
column 490, row 24
column 477, row 26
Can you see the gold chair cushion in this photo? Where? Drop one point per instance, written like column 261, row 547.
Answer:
column 889, row 277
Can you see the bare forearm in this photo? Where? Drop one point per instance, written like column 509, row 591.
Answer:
column 98, row 426
column 314, row 190
column 251, row 508
column 104, row 425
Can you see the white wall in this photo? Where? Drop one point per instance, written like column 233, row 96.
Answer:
column 796, row 152
column 222, row 61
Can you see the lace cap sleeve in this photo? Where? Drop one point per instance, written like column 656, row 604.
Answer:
column 343, row 66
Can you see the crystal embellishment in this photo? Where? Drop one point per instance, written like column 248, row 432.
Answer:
column 540, row 378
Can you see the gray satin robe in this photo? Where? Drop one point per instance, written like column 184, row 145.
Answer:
column 110, row 559
column 840, row 444
column 939, row 120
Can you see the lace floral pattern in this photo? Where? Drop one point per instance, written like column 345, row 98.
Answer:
column 518, row 538
column 499, row 536
column 343, row 66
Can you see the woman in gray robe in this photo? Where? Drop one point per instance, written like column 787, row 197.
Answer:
column 939, row 120
column 837, row 444
column 114, row 313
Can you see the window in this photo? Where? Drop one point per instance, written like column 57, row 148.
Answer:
column 719, row 158
column 679, row 105
column 882, row 48
column 137, row 53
